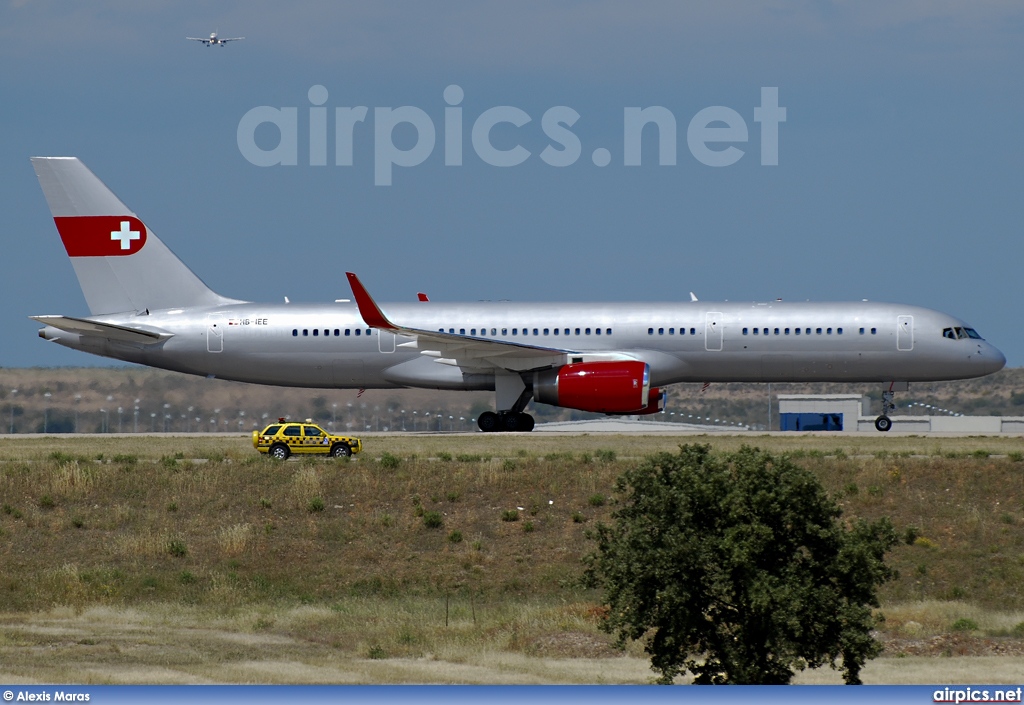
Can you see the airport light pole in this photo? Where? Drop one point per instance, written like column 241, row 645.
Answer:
column 120, row 411
column 78, row 400
column 135, row 428
column 13, row 393
column 46, row 412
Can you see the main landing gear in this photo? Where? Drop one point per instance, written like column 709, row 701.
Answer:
column 884, row 423
column 505, row 421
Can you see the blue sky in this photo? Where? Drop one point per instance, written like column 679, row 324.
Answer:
column 899, row 164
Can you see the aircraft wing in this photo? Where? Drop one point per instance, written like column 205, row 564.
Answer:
column 230, row 39
column 110, row 331
column 459, row 350
column 198, row 39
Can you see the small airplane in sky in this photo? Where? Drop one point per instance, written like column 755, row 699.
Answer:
column 146, row 306
column 214, row 39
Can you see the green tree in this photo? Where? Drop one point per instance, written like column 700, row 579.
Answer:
column 736, row 568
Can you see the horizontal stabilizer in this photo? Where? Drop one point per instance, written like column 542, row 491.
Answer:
column 110, row 331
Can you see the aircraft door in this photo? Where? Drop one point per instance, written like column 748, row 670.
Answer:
column 905, row 333
column 713, row 331
column 215, row 333
column 385, row 341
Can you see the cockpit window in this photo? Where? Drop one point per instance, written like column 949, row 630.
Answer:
column 960, row 333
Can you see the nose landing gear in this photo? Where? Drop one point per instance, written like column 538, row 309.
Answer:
column 884, row 423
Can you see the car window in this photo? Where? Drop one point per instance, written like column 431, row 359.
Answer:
column 292, row 431
column 272, row 430
column 313, row 431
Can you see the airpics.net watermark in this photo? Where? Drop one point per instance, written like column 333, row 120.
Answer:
column 711, row 136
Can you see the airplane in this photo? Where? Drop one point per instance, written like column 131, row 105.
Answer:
column 147, row 307
column 214, row 39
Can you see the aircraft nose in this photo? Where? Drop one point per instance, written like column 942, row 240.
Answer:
column 991, row 358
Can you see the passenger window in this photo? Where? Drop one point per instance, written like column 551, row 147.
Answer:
column 316, row 332
column 597, row 331
column 494, row 331
column 337, row 332
column 535, row 331
column 358, row 331
column 839, row 331
column 744, row 331
column 504, row 331
column 515, row 331
column 661, row 331
column 462, row 331
column 545, row 331
column 776, row 331
column 862, row 331
column 650, row 331
column 272, row 430
column 305, row 332
column 797, row 331
column 292, row 431
column 787, row 331
column 828, row 331
column 757, row 331
column 312, row 431
column 295, row 331
column 348, row 331
column 556, row 331
column 472, row 331
column 693, row 331
column 874, row 331
column 588, row 331
column 818, row 331
column 577, row 331
column 671, row 331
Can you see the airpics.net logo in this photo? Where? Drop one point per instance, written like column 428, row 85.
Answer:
column 712, row 134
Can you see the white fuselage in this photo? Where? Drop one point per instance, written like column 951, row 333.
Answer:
column 329, row 345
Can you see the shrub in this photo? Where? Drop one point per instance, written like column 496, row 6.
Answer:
column 46, row 502
column 468, row 458
column 315, row 505
column 432, row 520
column 925, row 542
column 964, row 625
column 578, row 518
column 389, row 461
column 444, row 456
column 377, row 653
column 605, row 455
column 126, row 459
column 455, row 537
column 172, row 507
column 528, row 527
column 453, row 496
column 510, row 515
column 508, row 465
column 265, row 503
column 910, row 535
column 177, row 548
column 596, row 500
column 1015, row 456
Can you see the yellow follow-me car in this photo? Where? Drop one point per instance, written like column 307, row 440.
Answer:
column 285, row 437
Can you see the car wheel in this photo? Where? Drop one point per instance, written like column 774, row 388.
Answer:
column 280, row 452
column 341, row 451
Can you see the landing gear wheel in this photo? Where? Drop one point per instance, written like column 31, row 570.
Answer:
column 341, row 451
column 279, row 452
column 510, row 421
column 883, row 423
column 488, row 421
column 525, row 424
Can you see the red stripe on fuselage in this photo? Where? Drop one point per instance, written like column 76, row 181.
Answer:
column 101, row 235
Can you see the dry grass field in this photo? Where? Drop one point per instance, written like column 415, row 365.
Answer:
column 451, row 558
